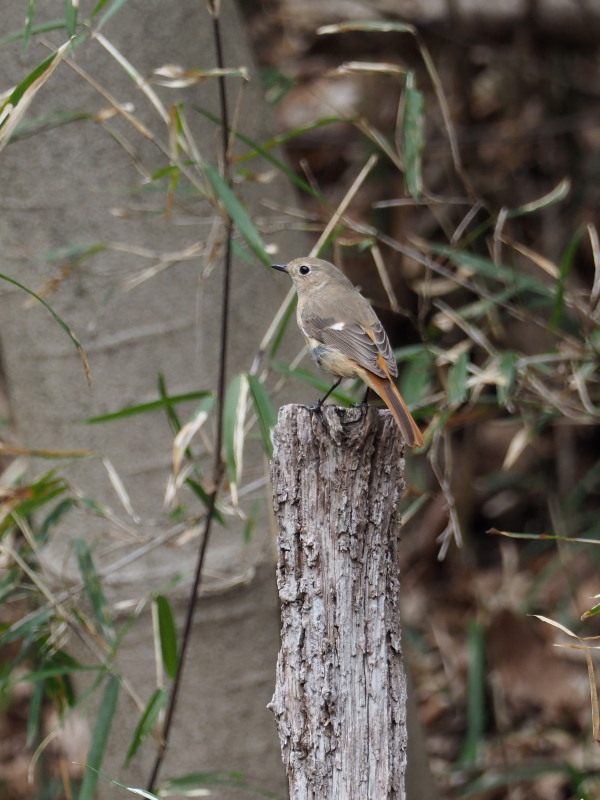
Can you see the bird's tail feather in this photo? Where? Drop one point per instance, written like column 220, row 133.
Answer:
column 391, row 396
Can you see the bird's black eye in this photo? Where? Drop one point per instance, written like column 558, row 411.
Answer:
column 304, row 270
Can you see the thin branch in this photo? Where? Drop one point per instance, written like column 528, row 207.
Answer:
column 218, row 467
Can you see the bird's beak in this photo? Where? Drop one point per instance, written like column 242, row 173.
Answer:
column 280, row 267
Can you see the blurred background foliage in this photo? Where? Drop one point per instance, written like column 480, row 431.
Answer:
column 451, row 169
column 477, row 242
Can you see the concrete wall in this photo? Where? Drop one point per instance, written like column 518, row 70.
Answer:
column 74, row 185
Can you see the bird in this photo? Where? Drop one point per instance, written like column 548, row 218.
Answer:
column 345, row 337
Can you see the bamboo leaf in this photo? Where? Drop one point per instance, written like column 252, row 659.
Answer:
column 143, row 408
column 17, row 103
column 483, row 266
column 263, row 150
column 230, row 425
column 205, row 499
column 28, row 625
column 36, row 702
column 250, row 523
column 565, row 267
column 26, row 33
column 102, row 728
column 413, row 136
column 53, row 518
column 27, row 28
column 508, row 372
column 167, row 634
column 457, row 381
column 283, row 325
column 186, row 433
column 591, row 612
column 238, row 214
column 476, row 695
column 146, row 724
column 93, row 587
column 56, row 672
column 72, row 7
column 264, row 411
column 416, row 376
column 62, row 324
column 117, row 4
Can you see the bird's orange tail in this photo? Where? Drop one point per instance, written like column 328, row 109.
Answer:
column 388, row 391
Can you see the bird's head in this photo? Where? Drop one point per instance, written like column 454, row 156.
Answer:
column 312, row 274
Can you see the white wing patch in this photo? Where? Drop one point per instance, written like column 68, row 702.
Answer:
column 338, row 326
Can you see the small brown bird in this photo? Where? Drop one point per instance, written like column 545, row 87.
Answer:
column 345, row 337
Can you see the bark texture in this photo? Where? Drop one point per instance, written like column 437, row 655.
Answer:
column 340, row 696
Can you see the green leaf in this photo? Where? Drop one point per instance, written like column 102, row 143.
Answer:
column 264, row 411
column 250, row 523
column 106, row 713
column 591, row 612
column 205, row 499
column 237, row 213
column 10, row 581
column 71, row 16
column 483, row 266
column 263, row 150
column 36, row 496
column 281, row 329
column 413, row 136
column 28, row 625
column 62, row 324
column 56, row 672
column 29, row 15
column 34, row 711
column 117, row 4
column 93, row 587
column 19, row 92
column 167, row 633
column 230, row 425
column 508, row 371
column 457, row 381
column 565, row 267
column 172, row 416
column 143, row 408
column 476, row 695
column 30, row 30
column 416, row 376
column 146, row 723
column 53, row 518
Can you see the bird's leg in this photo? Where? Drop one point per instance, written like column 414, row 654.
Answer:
column 364, row 401
column 319, row 403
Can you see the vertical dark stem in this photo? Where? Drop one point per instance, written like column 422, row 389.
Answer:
column 218, row 469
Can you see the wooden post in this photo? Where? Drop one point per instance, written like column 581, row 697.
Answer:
column 340, row 695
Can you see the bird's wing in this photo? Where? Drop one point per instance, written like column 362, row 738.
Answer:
column 369, row 347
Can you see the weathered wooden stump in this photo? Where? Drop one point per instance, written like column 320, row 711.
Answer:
column 340, row 696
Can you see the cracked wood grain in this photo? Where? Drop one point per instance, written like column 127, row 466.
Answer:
column 340, row 695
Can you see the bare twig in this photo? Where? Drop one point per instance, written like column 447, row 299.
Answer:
column 218, row 467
